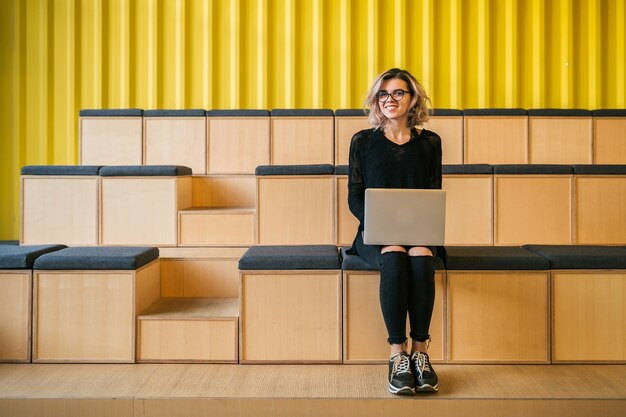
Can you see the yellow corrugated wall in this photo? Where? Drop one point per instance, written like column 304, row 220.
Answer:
column 58, row 56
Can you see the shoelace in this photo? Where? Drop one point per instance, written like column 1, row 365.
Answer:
column 401, row 364
column 422, row 363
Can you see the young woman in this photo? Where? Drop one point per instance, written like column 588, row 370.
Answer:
column 398, row 153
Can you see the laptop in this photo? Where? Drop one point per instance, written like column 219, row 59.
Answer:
column 404, row 217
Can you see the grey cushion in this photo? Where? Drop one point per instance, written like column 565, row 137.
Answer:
column 23, row 257
column 290, row 257
column 144, row 171
column 581, row 257
column 60, row 170
column 495, row 112
column 341, row 169
column 238, row 113
column 531, row 169
column 111, row 112
column 351, row 112
column 506, row 258
column 447, row 112
column 98, row 258
column 609, row 113
column 10, row 242
column 301, row 112
column 560, row 112
column 356, row 263
column 459, row 169
column 319, row 169
column 175, row 113
column 600, row 169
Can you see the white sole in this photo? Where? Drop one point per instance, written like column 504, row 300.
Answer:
column 401, row 391
column 427, row 388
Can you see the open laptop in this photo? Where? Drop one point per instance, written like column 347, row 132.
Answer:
column 404, row 217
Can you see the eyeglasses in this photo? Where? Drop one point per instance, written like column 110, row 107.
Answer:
column 397, row 95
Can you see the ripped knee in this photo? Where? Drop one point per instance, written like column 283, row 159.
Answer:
column 420, row 251
column 392, row 248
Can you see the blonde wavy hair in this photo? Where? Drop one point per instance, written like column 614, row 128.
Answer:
column 419, row 112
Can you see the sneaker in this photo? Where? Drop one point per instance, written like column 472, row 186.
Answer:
column 425, row 377
column 401, row 380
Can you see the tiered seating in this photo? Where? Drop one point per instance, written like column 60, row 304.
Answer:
column 16, row 284
column 495, row 136
column 558, row 136
column 609, row 130
column 110, row 137
column 302, row 137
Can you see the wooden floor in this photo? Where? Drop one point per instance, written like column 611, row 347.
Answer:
column 306, row 390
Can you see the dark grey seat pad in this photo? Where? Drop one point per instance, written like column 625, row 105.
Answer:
column 493, row 258
column 290, row 257
column 98, row 258
column 581, row 257
column 23, row 257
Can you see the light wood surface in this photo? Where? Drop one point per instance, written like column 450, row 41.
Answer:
column 345, row 128
column 176, row 141
column 496, row 140
column 296, row 210
column 110, row 140
column 59, row 210
column 147, row 285
column 188, row 329
column 469, row 209
column 237, row 145
column 302, row 140
column 364, row 332
column 450, row 129
column 589, row 319
column 560, row 140
column 290, row 316
column 224, row 191
column 143, row 210
column 609, row 146
column 15, row 315
column 600, row 209
column 210, row 277
column 216, row 227
column 498, row 316
column 347, row 224
column 533, row 209
column 201, row 253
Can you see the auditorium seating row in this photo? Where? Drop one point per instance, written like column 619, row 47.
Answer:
column 310, row 304
column 307, row 204
column 237, row 141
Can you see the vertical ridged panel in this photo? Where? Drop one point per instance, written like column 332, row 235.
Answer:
column 63, row 55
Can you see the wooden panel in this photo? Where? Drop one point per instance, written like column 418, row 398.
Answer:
column 560, row 140
column 601, row 209
column 147, row 285
column 216, row 277
column 224, row 191
column 365, row 335
column 60, row 210
column 498, row 316
column 15, row 315
column 469, row 209
column 609, row 145
column 450, row 129
column 290, row 317
column 176, row 141
column 296, row 210
column 69, row 406
column 201, row 253
column 302, row 140
column 110, row 141
column 84, row 316
column 533, row 209
column 139, row 211
column 221, row 227
column 496, row 140
column 237, row 145
column 345, row 128
column 589, row 316
column 347, row 224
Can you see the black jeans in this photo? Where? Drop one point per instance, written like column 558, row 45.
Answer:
column 407, row 284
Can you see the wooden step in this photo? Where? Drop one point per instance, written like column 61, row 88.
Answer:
column 216, row 226
column 189, row 330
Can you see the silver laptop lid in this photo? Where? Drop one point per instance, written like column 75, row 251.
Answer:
column 404, row 217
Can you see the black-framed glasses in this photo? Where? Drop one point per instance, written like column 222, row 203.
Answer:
column 397, row 95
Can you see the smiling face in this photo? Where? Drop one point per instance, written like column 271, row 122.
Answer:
column 391, row 108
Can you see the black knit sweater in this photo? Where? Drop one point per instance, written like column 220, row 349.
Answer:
column 377, row 162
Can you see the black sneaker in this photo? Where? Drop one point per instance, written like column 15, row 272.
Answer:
column 425, row 377
column 401, row 380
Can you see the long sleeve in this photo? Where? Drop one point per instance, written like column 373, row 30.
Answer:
column 435, row 168
column 356, row 185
